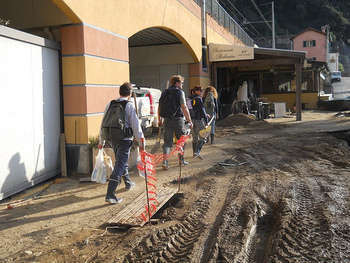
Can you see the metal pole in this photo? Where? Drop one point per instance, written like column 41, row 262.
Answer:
column 204, row 37
column 327, row 43
column 273, row 26
column 298, row 69
column 146, row 181
column 180, row 163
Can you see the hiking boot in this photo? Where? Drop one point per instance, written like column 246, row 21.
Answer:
column 129, row 185
column 113, row 200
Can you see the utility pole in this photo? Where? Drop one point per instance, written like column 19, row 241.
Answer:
column 273, row 26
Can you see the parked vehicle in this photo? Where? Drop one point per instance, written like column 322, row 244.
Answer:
column 335, row 76
column 147, row 100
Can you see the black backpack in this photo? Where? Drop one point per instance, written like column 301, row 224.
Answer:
column 113, row 124
column 169, row 103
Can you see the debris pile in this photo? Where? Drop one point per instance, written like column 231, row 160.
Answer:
column 237, row 120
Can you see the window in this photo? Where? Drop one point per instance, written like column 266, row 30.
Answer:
column 309, row 43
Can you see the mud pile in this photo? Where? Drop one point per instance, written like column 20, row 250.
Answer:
column 236, row 120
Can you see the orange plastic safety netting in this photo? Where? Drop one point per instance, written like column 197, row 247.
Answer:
column 147, row 167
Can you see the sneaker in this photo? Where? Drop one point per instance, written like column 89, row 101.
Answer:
column 113, row 200
column 185, row 162
column 130, row 185
column 165, row 165
column 197, row 155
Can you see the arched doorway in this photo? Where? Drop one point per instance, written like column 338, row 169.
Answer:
column 157, row 53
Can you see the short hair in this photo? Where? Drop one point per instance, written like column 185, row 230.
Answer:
column 197, row 88
column 125, row 89
column 176, row 78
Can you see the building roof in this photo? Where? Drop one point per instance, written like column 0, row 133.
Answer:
column 309, row 29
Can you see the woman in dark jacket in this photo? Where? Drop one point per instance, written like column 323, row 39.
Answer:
column 210, row 99
column 199, row 118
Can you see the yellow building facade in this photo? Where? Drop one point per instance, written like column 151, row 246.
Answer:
column 100, row 49
column 96, row 57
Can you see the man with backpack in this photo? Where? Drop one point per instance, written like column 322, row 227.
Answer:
column 172, row 107
column 120, row 123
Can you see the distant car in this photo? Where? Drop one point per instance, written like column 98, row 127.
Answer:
column 147, row 100
column 335, row 76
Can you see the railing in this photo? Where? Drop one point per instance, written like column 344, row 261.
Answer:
column 216, row 11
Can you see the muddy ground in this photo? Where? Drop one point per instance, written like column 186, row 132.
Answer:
column 281, row 193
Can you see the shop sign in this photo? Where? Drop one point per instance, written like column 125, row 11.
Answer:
column 219, row 52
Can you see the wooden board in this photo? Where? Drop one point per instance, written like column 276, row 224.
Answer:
column 63, row 155
column 131, row 214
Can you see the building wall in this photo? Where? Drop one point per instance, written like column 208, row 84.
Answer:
column 96, row 57
column 319, row 51
column 308, row 98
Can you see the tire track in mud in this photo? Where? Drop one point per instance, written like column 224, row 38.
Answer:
column 295, row 223
column 175, row 243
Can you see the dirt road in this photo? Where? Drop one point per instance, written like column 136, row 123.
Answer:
column 280, row 194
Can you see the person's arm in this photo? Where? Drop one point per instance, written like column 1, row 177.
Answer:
column 135, row 124
column 160, row 119
column 201, row 107
column 184, row 108
column 186, row 112
column 100, row 134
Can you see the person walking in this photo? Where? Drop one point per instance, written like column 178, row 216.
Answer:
column 173, row 109
column 200, row 118
column 210, row 99
column 119, row 125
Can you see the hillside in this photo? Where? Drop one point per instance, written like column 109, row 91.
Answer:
column 292, row 16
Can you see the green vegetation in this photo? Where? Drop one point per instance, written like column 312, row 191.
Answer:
column 292, row 16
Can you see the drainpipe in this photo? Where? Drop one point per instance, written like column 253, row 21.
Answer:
column 204, row 37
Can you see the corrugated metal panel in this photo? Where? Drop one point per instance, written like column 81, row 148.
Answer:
column 30, row 106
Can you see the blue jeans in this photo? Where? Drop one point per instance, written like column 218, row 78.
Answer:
column 197, row 140
column 212, row 130
column 122, row 152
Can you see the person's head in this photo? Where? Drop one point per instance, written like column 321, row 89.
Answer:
column 176, row 80
column 212, row 90
column 125, row 90
column 197, row 90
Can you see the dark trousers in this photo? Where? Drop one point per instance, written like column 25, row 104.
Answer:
column 197, row 140
column 122, row 152
column 172, row 126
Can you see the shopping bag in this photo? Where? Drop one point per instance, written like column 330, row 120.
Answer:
column 205, row 131
column 99, row 174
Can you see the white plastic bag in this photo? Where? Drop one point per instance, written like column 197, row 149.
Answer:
column 99, row 174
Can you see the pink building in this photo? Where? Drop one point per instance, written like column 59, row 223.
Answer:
column 314, row 42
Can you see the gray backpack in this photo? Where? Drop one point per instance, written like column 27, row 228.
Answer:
column 113, row 124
